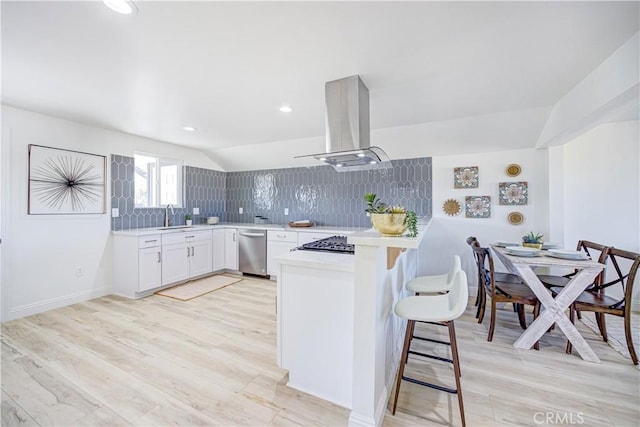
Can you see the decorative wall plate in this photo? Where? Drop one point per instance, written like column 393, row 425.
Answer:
column 513, row 170
column 465, row 177
column 451, row 207
column 516, row 218
column 477, row 206
column 513, row 193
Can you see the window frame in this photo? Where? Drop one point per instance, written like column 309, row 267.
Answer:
column 160, row 160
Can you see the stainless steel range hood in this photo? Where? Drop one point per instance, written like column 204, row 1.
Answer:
column 347, row 128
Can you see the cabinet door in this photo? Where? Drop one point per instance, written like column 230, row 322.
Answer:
column 231, row 249
column 175, row 263
column 274, row 250
column 201, row 259
column 149, row 268
column 218, row 249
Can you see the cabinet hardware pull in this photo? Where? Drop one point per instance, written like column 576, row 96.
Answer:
column 187, row 251
column 159, row 257
column 189, row 237
column 192, row 251
column 234, row 236
column 150, row 241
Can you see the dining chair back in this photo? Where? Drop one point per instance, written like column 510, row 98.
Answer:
column 516, row 293
column 596, row 300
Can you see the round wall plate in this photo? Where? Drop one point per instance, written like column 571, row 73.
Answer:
column 515, row 218
column 452, row 207
column 513, row 170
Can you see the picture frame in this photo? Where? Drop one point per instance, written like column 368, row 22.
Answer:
column 466, row 177
column 65, row 182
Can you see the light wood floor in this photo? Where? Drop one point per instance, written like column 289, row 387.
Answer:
column 211, row 361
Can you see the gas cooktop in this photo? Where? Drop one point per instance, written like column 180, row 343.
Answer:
column 335, row 244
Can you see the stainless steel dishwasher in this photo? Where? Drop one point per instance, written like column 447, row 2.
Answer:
column 253, row 251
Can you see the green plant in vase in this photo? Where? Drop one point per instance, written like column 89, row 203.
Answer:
column 532, row 240
column 390, row 220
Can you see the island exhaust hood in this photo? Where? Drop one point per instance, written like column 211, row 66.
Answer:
column 347, row 128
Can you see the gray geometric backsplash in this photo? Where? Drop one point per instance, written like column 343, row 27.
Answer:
column 326, row 197
column 319, row 193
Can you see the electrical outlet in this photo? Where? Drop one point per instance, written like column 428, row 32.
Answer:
column 286, row 211
column 79, row 271
column 196, row 211
column 240, row 211
column 115, row 213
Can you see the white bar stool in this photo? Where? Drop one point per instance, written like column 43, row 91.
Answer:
column 434, row 284
column 442, row 309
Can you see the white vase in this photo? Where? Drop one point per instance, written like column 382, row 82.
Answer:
column 189, row 222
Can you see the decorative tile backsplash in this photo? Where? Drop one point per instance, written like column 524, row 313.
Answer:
column 327, row 197
column 319, row 193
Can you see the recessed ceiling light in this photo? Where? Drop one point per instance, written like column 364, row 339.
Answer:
column 361, row 155
column 373, row 162
column 286, row 109
column 339, row 165
column 189, row 128
column 323, row 159
column 126, row 7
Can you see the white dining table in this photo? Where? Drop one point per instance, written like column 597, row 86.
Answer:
column 555, row 309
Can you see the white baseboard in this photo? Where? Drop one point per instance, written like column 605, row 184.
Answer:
column 53, row 303
column 359, row 420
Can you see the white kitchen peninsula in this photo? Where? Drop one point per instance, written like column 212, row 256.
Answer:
column 337, row 334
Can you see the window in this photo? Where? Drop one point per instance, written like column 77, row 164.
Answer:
column 158, row 181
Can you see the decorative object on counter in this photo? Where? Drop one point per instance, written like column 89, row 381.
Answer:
column 187, row 219
column 515, row 218
column 259, row 219
column 477, row 207
column 65, row 182
column 513, row 193
column 451, row 207
column 412, row 224
column 465, row 177
column 532, row 240
column 387, row 220
column 301, row 223
column 513, row 170
column 212, row 220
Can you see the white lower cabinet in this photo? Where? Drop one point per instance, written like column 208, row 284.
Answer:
column 149, row 268
column 137, row 264
column 186, row 255
column 231, row 249
column 218, row 249
column 279, row 243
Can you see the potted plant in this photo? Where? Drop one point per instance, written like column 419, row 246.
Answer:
column 187, row 219
column 532, row 240
column 390, row 220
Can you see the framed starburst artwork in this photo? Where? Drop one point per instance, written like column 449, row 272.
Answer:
column 63, row 182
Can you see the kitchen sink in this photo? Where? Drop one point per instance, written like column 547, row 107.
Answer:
column 175, row 227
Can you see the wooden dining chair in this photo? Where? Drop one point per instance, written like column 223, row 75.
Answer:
column 481, row 298
column 518, row 293
column 595, row 299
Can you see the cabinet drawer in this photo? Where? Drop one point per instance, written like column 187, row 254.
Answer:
column 149, row 241
column 186, row 236
column 282, row 236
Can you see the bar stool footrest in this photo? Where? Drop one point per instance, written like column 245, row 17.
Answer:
column 430, row 385
column 430, row 356
column 431, row 340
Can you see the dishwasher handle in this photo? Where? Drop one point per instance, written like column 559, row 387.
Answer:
column 252, row 234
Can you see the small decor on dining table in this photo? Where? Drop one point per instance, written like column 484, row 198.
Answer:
column 390, row 220
column 532, row 240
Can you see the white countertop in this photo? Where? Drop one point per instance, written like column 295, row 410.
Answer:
column 373, row 238
column 321, row 229
column 319, row 260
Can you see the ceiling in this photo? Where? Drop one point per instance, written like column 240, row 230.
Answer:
column 226, row 67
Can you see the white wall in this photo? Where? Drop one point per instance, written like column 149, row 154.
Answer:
column 447, row 235
column 601, row 180
column 40, row 254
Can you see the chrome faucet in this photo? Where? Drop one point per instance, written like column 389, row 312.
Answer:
column 166, row 214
